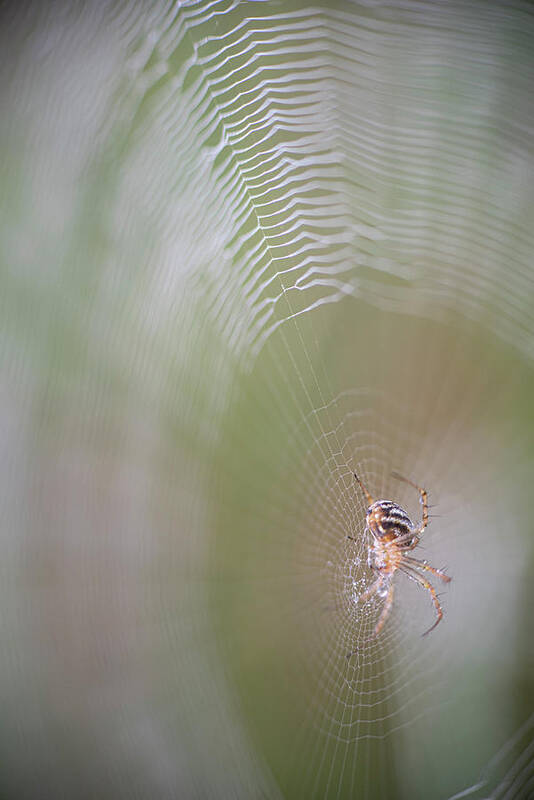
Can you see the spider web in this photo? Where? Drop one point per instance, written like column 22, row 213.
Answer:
column 303, row 248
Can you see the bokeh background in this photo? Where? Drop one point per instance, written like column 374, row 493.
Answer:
column 246, row 249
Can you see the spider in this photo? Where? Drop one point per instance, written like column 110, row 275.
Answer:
column 393, row 536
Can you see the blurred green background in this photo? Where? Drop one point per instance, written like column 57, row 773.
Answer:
column 246, row 249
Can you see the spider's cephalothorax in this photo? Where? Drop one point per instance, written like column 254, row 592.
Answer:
column 393, row 535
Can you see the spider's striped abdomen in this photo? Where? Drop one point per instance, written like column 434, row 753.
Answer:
column 388, row 521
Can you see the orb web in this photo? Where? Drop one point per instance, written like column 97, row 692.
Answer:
column 302, row 248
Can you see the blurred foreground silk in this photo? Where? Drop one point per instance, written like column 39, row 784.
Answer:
column 248, row 248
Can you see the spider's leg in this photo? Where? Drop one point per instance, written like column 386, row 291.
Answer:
column 385, row 611
column 428, row 586
column 422, row 565
column 370, row 554
column 424, row 501
column 412, row 546
column 372, row 590
column 368, row 497
column 408, row 541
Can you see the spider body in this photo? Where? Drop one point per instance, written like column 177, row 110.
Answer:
column 393, row 536
column 388, row 521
